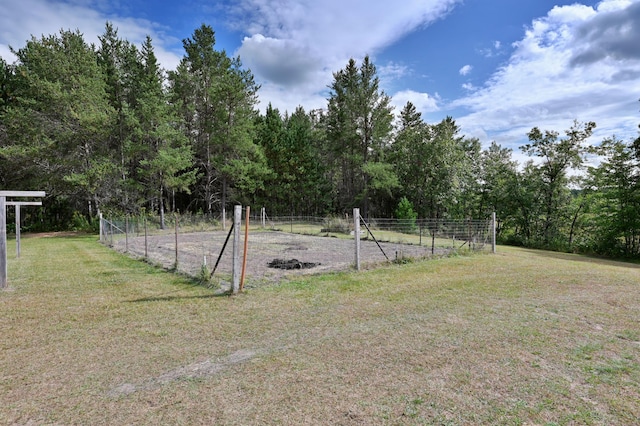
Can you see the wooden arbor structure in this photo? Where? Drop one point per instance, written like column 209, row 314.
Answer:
column 3, row 224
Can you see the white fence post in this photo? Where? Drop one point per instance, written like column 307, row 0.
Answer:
column 356, row 235
column 493, row 232
column 17, row 230
column 3, row 226
column 237, row 219
column 175, row 217
column 3, row 242
column 101, row 230
column 224, row 218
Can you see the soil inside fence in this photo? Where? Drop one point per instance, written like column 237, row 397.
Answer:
column 291, row 264
column 271, row 255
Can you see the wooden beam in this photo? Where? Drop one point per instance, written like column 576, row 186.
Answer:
column 17, row 231
column 3, row 226
column 23, row 203
column 3, row 243
column 22, row 194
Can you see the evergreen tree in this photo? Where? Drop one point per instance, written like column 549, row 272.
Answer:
column 432, row 164
column 359, row 126
column 121, row 66
column 216, row 99
column 167, row 165
column 59, row 121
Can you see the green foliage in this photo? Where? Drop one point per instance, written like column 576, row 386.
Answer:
column 204, row 276
column 105, row 128
column 433, row 164
column 557, row 157
column 296, row 183
column 215, row 99
column 359, row 125
column 336, row 224
column 407, row 215
column 617, row 201
column 79, row 222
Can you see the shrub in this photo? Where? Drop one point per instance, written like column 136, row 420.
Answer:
column 336, row 224
column 406, row 215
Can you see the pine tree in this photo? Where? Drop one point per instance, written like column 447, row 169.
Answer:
column 359, row 126
column 216, row 97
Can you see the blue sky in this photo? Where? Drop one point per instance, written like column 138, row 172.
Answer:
column 499, row 67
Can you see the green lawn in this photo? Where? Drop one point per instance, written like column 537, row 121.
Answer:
column 89, row 336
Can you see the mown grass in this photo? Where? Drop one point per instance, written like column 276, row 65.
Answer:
column 89, row 336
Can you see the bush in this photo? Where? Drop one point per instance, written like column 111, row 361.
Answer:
column 406, row 215
column 80, row 223
column 336, row 224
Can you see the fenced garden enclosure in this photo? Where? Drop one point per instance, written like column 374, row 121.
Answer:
column 264, row 249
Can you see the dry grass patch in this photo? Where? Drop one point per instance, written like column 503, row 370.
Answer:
column 522, row 337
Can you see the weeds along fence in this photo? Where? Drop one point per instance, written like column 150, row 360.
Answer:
column 256, row 249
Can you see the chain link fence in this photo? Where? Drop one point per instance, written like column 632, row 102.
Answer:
column 268, row 249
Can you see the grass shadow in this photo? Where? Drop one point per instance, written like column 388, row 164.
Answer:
column 583, row 258
column 174, row 298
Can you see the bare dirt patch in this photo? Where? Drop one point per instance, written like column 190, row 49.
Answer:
column 198, row 370
column 328, row 254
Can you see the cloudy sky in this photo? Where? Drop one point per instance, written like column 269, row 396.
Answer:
column 498, row 67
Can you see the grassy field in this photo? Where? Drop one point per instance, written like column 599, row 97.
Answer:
column 89, row 336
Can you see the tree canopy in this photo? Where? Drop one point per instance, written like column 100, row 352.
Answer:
column 105, row 128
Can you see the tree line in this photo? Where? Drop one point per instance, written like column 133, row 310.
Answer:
column 105, row 128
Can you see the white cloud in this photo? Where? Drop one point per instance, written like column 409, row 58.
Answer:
column 282, row 62
column 575, row 63
column 392, row 71
column 423, row 102
column 19, row 20
column 465, row 70
column 298, row 44
column 493, row 51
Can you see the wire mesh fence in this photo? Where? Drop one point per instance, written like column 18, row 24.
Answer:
column 273, row 248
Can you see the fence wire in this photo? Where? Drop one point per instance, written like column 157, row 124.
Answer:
column 278, row 247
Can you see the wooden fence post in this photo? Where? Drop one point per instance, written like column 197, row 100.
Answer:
column 3, row 226
column 175, row 215
column 237, row 219
column 3, row 242
column 356, row 235
column 17, row 230
column 146, row 245
column 246, row 247
column 493, row 232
